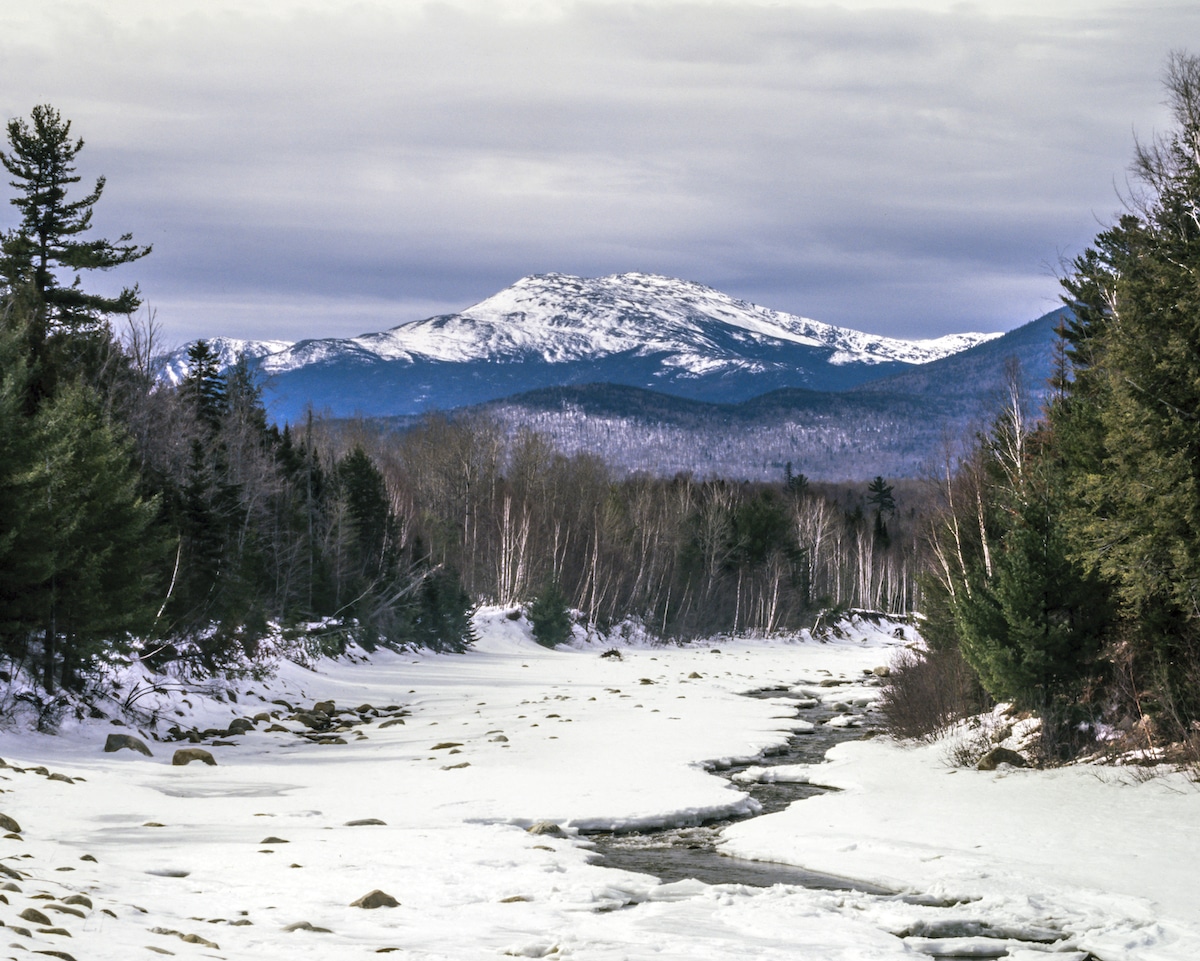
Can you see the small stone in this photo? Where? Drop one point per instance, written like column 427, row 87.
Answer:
column 273, row 840
column 82, row 899
column 392, row 722
column 694, row 676
column 445, row 745
column 324, row 707
column 60, row 777
column 365, row 822
column 186, row 755
column 546, row 827
column 61, row 932
column 997, row 756
column 515, row 899
column 196, row 939
column 117, row 742
column 62, row 909
column 375, row 899
column 456, row 767
column 307, row 926
column 500, row 739
column 9, row 824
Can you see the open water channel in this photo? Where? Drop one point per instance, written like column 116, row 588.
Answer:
column 676, row 854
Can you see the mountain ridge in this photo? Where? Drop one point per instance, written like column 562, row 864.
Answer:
column 640, row 330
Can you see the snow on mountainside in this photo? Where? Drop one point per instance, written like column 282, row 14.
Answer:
column 638, row 330
column 558, row 319
column 227, row 350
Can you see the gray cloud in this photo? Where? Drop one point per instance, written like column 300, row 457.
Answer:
column 309, row 169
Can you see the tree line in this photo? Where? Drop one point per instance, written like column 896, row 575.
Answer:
column 1065, row 561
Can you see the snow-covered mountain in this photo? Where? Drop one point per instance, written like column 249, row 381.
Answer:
column 635, row 329
column 227, row 349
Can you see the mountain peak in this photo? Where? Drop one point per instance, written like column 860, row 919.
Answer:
column 560, row 318
column 638, row 329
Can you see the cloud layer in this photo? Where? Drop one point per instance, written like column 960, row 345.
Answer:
column 321, row 168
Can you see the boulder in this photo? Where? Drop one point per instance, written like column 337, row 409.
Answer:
column 324, row 707
column 240, row 725
column 375, row 899
column 365, row 822
column 34, row 916
column 997, row 756
column 9, row 824
column 317, row 720
column 117, row 742
column 186, row 755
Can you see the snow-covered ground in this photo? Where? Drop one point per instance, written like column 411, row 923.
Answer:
column 221, row 861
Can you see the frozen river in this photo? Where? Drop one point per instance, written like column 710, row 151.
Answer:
column 442, row 763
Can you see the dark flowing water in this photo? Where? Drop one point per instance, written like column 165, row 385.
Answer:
column 678, row 854
column 675, row 854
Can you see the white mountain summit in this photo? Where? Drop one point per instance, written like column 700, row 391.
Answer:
column 559, row 318
column 636, row 329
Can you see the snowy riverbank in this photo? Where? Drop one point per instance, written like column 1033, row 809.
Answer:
column 586, row 742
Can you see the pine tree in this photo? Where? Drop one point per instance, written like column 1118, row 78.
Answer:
column 882, row 495
column 1129, row 417
column 49, row 237
column 96, row 527
column 25, row 562
column 204, row 387
column 550, row 616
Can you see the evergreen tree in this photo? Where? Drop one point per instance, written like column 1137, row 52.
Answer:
column 204, row 387
column 1129, row 415
column 49, row 237
column 550, row 615
column 97, row 529
column 25, row 562
column 882, row 495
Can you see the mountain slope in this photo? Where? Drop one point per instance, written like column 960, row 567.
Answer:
column 637, row 330
column 896, row 426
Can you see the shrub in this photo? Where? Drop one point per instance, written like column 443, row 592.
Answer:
column 550, row 616
column 929, row 690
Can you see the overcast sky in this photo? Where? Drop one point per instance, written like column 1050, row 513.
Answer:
column 330, row 167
